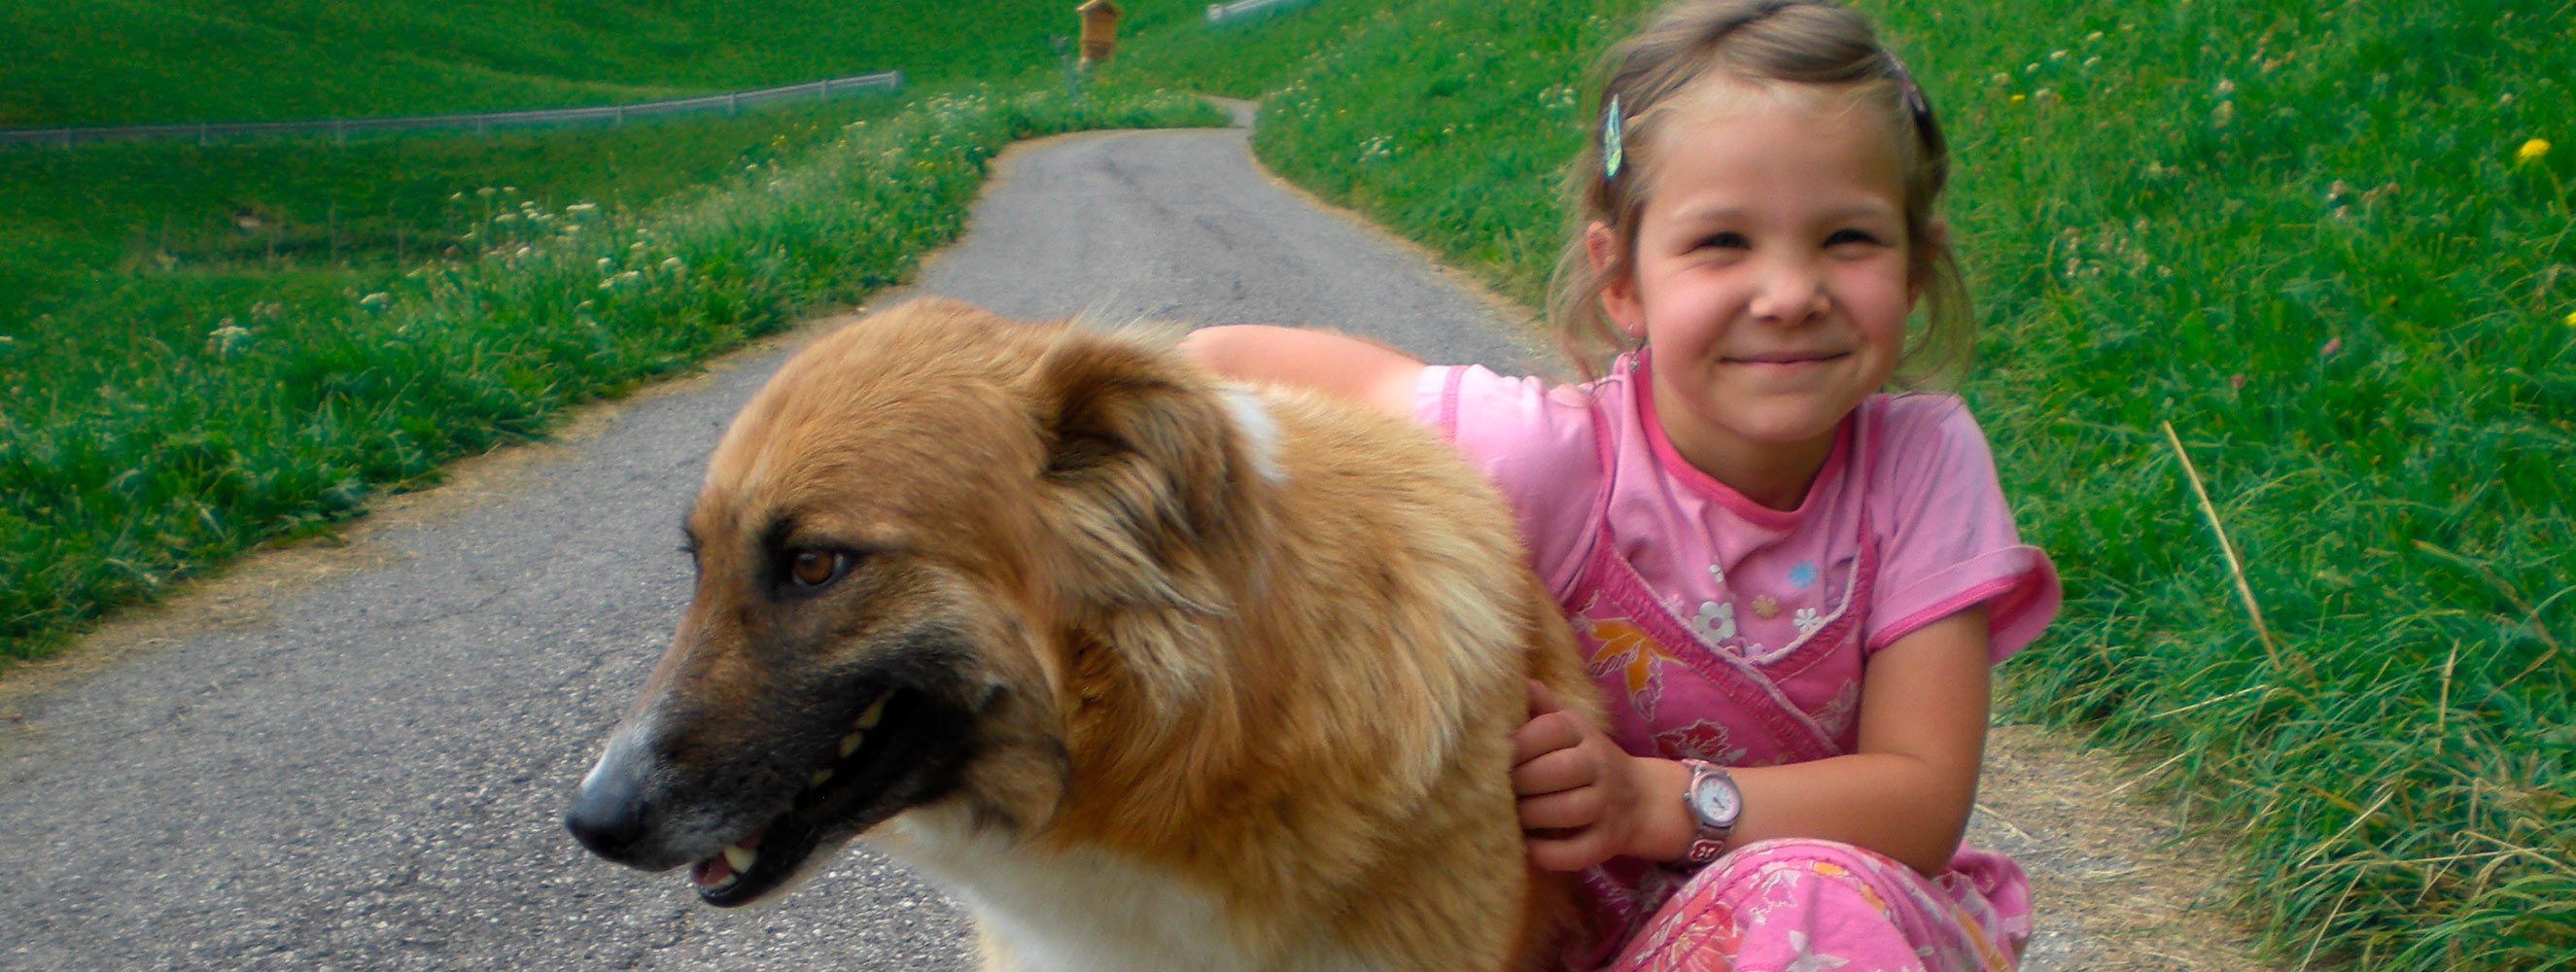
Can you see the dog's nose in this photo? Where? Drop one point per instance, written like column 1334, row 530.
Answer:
column 608, row 812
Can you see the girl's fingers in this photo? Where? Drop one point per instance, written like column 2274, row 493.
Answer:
column 1554, row 771
column 1541, row 701
column 1569, row 851
column 1563, row 810
column 1545, row 734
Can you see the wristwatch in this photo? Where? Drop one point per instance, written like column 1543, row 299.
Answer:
column 1714, row 804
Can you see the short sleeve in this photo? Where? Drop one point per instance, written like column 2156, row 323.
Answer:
column 1537, row 444
column 1951, row 544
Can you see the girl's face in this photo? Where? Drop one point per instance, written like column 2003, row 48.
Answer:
column 1769, row 279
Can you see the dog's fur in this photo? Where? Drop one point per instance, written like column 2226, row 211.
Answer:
column 1179, row 675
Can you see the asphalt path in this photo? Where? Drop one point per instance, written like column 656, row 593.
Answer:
column 355, row 757
column 366, row 770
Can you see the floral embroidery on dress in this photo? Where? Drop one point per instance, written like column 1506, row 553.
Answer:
column 1836, row 714
column 1699, row 740
column 1765, row 606
column 1808, row 620
column 1715, row 621
column 1807, row 960
column 1627, row 649
column 1804, row 574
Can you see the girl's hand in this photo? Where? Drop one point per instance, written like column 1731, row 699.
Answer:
column 1583, row 800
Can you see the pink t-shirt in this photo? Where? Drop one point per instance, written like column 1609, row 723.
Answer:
column 1605, row 503
column 1721, row 629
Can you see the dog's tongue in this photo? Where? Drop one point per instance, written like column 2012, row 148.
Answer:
column 713, row 870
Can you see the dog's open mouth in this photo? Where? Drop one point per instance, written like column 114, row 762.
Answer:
column 853, row 789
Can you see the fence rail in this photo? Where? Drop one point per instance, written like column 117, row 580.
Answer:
column 731, row 101
column 1218, row 13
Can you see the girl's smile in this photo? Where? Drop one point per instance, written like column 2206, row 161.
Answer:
column 1769, row 279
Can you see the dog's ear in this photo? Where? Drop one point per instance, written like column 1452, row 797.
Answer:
column 1143, row 470
column 1143, row 449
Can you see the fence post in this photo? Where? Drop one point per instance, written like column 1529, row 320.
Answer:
column 340, row 131
column 201, row 134
column 733, row 102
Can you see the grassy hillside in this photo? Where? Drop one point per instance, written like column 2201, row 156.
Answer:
column 137, row 61
column 2327, row 260
column 202, row 347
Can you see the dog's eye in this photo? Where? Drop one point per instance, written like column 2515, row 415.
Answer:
column 811, row 569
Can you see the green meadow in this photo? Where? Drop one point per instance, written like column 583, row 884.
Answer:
column 2268, row 253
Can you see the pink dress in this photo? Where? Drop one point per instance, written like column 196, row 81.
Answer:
column 1728, row 631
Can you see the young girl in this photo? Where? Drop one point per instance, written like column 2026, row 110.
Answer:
column 1790, row 585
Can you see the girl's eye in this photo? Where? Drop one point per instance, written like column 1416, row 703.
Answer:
column 1844, row 236
column 1724, row 241
column 809, row 570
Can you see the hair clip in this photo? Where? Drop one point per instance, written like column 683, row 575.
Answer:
column 1914, row 100
column 1613, row 142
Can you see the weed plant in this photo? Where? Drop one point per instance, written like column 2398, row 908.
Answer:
column 2321, row 244
column 120, row 471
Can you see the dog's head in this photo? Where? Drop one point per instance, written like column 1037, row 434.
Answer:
column 896, row 540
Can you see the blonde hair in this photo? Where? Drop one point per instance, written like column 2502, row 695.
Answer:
column 1761, row 43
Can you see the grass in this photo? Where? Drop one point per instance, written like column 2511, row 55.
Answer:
column 138, row 448
column 139, row 61
column 2310, row 250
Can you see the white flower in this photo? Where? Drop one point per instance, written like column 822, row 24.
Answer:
column 1807, row 620
column 1715, row 621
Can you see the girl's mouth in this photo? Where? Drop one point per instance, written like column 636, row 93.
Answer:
column 1786, row 357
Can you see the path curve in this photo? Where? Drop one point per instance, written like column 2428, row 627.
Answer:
column 354, row 757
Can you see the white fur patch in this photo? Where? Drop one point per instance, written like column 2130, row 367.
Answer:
column 1082, row 911
column 1260, row 431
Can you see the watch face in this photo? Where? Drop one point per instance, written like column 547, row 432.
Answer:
column 1715, row 800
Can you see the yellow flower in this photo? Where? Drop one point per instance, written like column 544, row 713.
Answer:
column 2017, row 99
column 2531, row 150
column 2571, row 318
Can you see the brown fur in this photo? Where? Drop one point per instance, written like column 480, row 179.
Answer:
column 1293, row 696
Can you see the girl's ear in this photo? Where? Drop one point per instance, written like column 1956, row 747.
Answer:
column 1618, row 285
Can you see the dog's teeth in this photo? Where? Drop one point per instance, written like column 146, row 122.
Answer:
column 876, row 711
column 740, row 858
column 820, row 777
column 850, row 743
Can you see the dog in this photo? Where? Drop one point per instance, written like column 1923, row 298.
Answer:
column 1150, row 670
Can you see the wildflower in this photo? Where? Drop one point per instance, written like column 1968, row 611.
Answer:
column 375, row 300
column 2094, row 36
column 2226, row 87
column 2531, row 151
column 604, row 264
column 486, row 192
column 506, row 218
column 2018, row 97
column 2057, row 55
column 2333, row 344
column 2571, row 318
column 581, row 209
column 2002, row 78
column 673, row 263
column 2236, row 381
column 227, row 338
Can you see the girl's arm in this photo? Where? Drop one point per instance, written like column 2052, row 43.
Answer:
column 1339, row 364
column 1905, row 793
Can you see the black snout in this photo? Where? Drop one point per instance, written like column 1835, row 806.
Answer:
column 608, row 812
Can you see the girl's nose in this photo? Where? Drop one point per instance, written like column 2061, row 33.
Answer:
column 1793, row 291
